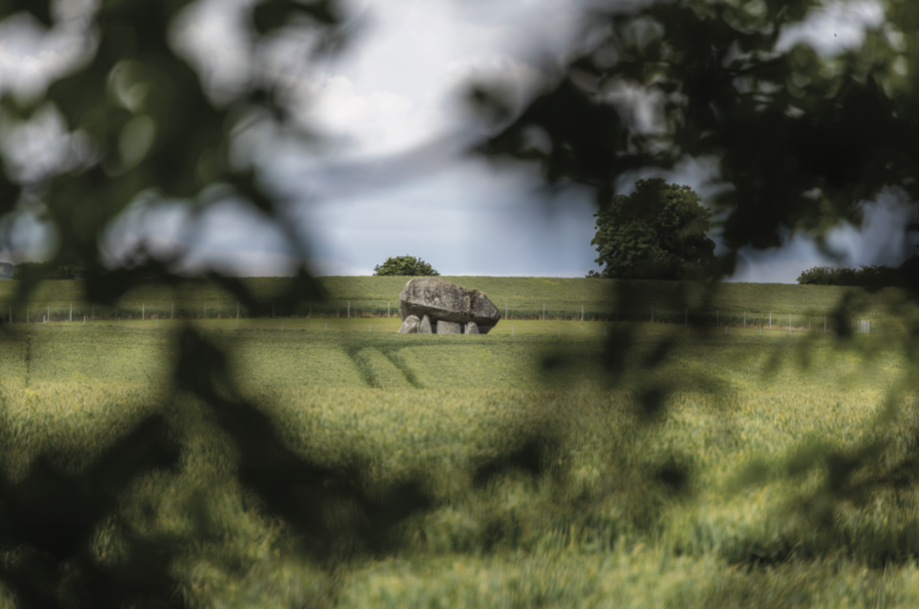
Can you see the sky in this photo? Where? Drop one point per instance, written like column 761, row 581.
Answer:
column 390, row 178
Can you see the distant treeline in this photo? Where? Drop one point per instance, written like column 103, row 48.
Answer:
column 47, row 270
column 867, row 276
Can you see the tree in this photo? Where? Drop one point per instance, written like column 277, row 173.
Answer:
column 404, row 266
column 657, row 232
column 27, row 270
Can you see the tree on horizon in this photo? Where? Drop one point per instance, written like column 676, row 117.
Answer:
column 657, row 232
column 404, row 266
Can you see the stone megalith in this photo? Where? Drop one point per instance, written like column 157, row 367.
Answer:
column 449, row 327
column 425, row 327
column 472, row 328
column 443, row 300
column 410, row 325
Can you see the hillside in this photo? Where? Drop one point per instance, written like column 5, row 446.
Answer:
column 520, row 297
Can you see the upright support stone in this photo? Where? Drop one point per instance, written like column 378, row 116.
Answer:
column 448, row 327
column 472, row 328
column 410, row 325
column 425, row 326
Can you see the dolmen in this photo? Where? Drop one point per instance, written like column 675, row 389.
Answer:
column 431, row 305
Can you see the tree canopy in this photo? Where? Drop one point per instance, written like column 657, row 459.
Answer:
column 657, row 232
column 404, row 266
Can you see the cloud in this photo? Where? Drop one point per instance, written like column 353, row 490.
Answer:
column 467, row 219
column 834, row 27
column 32, row 56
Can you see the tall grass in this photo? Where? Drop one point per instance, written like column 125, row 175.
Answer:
column 692, row 510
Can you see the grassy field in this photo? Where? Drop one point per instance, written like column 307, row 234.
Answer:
column 608, row 526
column 523, row 298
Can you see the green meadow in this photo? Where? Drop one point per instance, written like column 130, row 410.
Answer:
column 522, row 298
column 703, row 504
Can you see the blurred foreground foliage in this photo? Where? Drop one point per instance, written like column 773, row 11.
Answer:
column 800, row 141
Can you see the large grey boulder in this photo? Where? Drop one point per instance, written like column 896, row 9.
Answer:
column 410, row 325
column 449, row 327
column 444, row 300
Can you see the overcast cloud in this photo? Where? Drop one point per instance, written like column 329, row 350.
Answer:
column 389, row 179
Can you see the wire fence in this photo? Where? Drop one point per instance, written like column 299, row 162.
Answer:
column 221, row 309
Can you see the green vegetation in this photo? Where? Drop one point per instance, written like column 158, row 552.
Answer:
column 404, row 266
column 521, row 297
column 608, row 522
column 660, row 231
column 869, row 276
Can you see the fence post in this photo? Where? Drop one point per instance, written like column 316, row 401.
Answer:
column 143, row 312
column 770, row 321
column 388, row 309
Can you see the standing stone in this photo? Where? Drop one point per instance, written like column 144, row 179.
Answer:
column 425, row 327
column 472, row 328
column 444, row 300
column 410, row 325
column 449, row 327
